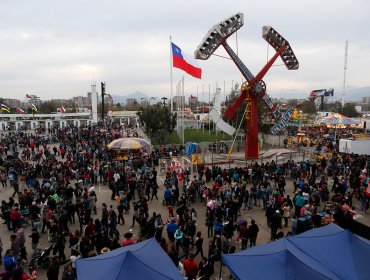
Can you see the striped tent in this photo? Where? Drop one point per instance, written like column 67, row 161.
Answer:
column 128, row 144
column 337, row 119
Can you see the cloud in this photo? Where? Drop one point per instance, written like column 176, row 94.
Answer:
column 56, row 48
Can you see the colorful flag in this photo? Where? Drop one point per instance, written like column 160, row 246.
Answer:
column 110, row 96
column 192, row 96
column 20, row 111
column 28, row 96
column 34, row 108
column 5, row 108
column 62, row 109
column 185, row 62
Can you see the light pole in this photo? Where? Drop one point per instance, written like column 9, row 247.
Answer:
column 102, row 100
column 164, row 101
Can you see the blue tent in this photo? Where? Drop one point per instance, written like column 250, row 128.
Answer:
column 328, row 252
column 144, row 260
column 191, row 148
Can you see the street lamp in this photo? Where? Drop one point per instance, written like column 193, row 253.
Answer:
column 164, row 101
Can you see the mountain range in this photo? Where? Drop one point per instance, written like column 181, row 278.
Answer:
column 123, row 98
column 356, row 94
column 352, row 94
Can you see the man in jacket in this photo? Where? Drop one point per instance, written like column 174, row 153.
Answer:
column 191, row 267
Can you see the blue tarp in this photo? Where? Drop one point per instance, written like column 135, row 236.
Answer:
column 328, row 252
column 144, row 260
column 191, row 148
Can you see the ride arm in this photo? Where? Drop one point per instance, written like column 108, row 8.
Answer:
column 245, row 71
column 230, row 111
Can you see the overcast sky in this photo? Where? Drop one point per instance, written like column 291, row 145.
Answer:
column 54, row 49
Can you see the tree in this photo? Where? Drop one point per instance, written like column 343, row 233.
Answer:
column 47, row 107
column 349, row 110
column 158, row 121
column 263, row 113
column 308, row 107
column 239, row 114
column 135, row 106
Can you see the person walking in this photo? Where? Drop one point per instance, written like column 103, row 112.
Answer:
column 244, row 234
column 35, row 237
column 113, row 224
column 179, row 236
column 205, row 269
column 253, row 230
column 158, row 225
column 154, row 190
column 191, row 267
column 286, row 214
column 53, row 269
column 120, row 210
column 199, row 244
column 3, row 179
column 275, row 224
column 171, row 229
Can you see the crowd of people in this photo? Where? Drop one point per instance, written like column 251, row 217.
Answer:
column 54, row 179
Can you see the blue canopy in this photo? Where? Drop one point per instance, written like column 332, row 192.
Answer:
column 328, row 252
column 190, row 148
column 144, row 260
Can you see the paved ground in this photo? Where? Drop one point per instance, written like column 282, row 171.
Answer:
column 104, row 193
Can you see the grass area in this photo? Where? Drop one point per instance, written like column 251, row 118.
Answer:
column 195, row 136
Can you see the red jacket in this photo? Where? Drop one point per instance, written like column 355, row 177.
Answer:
column 191, row 268
column 15, row 215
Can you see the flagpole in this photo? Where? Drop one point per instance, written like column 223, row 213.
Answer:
column 171, row 73
column 196, row 107
column 183, row 112
column 203, row 108
column 209, row 109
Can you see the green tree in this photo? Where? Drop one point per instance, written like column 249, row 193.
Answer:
column 308, row 107
column 47, row 107
column 135, row 106
column 264, row 118
column 158, row 121
column 349, row 110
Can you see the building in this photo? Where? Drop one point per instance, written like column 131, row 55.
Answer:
column 63, row 102
column 89, row 98
column 178, row 102
column 131, row 101
column 366, row 100
column 12, row 103
column 80, row 101
column 34, row 100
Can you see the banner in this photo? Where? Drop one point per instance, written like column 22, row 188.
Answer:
column 282, row 123
column 197, row 159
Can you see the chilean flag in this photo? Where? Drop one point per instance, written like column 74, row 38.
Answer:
column 20, row 111
column 62, row 109
column 184, row 62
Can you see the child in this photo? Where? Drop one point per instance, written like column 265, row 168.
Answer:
column 32, row 273
column 170, row 211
